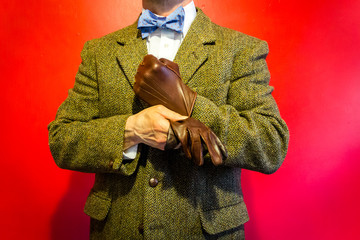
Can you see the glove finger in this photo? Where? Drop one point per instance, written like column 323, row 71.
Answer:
column 171, row 142
column 221, row 146
column 209, row 139
column 186, row 150
column 196, row 147
column 182, row 135
column 171, row 65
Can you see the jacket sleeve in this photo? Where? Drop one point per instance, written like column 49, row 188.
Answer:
column 249, row 124
column 78, row 138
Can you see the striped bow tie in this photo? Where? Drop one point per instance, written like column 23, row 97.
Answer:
column 149, row 22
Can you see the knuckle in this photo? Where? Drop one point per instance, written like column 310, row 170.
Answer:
column 159, row 107
column 160, row 140
column 161, row 126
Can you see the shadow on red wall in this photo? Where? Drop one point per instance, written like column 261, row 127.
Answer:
column 69, row 221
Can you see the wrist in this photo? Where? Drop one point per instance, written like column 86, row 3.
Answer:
column 130, row 137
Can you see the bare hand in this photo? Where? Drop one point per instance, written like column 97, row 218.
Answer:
column 150, row 126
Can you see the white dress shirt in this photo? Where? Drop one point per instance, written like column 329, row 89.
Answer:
column 164, row 43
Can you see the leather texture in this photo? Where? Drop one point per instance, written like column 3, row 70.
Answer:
column 158, row 81
column 194, row 136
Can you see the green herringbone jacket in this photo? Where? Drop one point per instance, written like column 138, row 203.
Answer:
column 228, row 71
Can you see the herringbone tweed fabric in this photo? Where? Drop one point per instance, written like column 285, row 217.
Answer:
column 228, row 71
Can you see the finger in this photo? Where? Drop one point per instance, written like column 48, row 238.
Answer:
column 186, row 150
column 171, row 142
column 196, row 147
column 222, row 148
column 210, row 139
column 182, row 135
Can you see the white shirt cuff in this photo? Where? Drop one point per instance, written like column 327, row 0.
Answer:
column 130, row 153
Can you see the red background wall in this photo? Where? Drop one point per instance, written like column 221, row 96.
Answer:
column 314, row 61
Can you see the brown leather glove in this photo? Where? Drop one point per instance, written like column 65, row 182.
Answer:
column 158, row 81
column 193, row 134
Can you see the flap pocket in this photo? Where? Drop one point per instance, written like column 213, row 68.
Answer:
column 218, row 220
column 97, row 206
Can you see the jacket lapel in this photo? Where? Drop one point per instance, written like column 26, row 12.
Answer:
column 192, row 53
column 194, row 50
column 133, row 50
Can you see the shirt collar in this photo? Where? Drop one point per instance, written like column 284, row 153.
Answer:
column 190, row 14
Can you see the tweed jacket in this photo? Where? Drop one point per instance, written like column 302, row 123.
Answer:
column 229, row 72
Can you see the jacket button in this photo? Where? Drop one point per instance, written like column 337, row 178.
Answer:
column 111, row 163
column 153, row 182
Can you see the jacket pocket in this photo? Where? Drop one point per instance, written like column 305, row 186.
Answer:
column 97, row 206
column 222, row 219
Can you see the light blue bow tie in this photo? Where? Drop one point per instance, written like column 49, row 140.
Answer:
column 149, row 22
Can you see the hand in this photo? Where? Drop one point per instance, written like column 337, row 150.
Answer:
column 158, row 81
column 193, row 136
column 150, row 126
